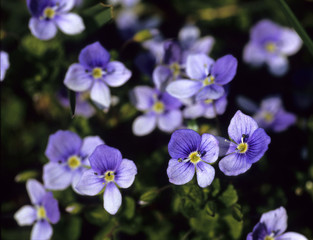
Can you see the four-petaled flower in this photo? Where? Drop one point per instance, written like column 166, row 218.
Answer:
column 108, row 170
column 68, row 155
column 272, row 226
column 207, row 77
column 45, row 210
column 271, row 44
column 160, row 108
column 48, row 15
column 94, row 72
column 192, row 153
column 248, row 144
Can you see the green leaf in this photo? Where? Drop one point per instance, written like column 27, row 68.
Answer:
column 216, row 187
column 235, row 227
column 236, row 212
column 24, row 176
column 129, row 207
column 98, row 216
column 98, row 15
column 72, row 98
column 68, row 228
column 296, row 25
column 229, row 197
column 210, row 208
column 148, row 196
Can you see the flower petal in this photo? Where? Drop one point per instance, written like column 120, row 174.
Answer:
column 183, row 88
column 144, row 124
column 253, row 54
column 125, row 174
column 100, row 93
column 209, row 148
column 117, row 74
column 275, row 220
column 66, row 5
column 105, row 158
column 203, row 45
column 180, row 172
column 70, row 23
column 291, row 236
column 56, row 176
column 170, row 102
column 41, row 230
column 205, row 174
column 183, row 142
column 224, row 69
column 112, row 198
column 247, row 104
column 42, row 29
column 241, row 124
column 257, row 145
column 234, row 164
column 193, row 111
column 161, row 75
column 198, row 66
column 90, row 183
column 169, row 121
column 212, row 91
column 142, row 97
column 94, row 55
column 220, row 105
column 35, row 190
column 77, row 79
column 36, row 7
column 51, row 207
column 77, row 175
column 26, row 215
column 225, row 146
column 188, row 35
column 89, row 145
column 4, row 63
column 290, row 42
column 283, row 120
column 278, row 65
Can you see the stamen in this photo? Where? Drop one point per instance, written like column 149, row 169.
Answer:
column 158, row 107
column 270, row 47
column 109, row 176
column 208, row 80
column 97, row 73
column 194, row 157
column 242, row 147
column 49, row 13
column 74, row 162
column 268, row 117
column 41, row 212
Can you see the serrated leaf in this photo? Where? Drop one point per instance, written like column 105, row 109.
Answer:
column 236, row 212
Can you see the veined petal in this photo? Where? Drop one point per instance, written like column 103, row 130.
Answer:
column 70, row 23
column 234, row 164
column 112, row 198
column 212, row 91
column 42, row 29
column 198, row 66
column 169, row 121
column 61, row 145
column 290, row 42
column 41, row 230
column 161, row 75
column 278, row 65
column 241, row 124
column 77, row 79
column 117, row 74
column 51, row 207
column 90, row 183
column 35, row 190
column 89, row 145
column 56, row 176
column 125, row 174
column 209, row 148
column 257, row 145
column 142, row 97
column 26, row 215
column 193, row 111
column 105, row 158
column 144, row 124
column 205, row 174
column 184, row 88
column 183, row 142
column 180, row 173
column 291, row 236
column 94, row 55
column 100, row 93
column 225, row 146
column 275, row 220
column 224, row 69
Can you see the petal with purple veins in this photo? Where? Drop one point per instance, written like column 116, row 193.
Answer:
column 209, row 148
column 125, row 174
column 275, row 220
column 90, row 183
column 234, row 164
column 205, row 174
column 112, row 198
column 180, row 172
column 257, row 145
column 224, row 69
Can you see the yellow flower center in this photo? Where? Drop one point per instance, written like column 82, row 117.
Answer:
column 97, row 72
column 194, row 157
column 49, row 12
column 242, row 147
column 268, row 117
column 175, row 69
column 209, row 80
column 158, row 107
column 109, row 176
column 270, row 47
column 269, row 238
column 208, row 101
column 74, row 162
column 41, row 212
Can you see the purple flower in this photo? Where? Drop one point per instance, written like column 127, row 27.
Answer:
column 49, row 15
column 207, row 77
column 4, row 64
column 109, row 171
column 248, row 144
column 271, row 115
column 205, row 108
column 271, row 44
column 272, row 226
column 94, row 72
column 160, row 109
column 68, row 155
column 192, row 153
column 45, row 210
